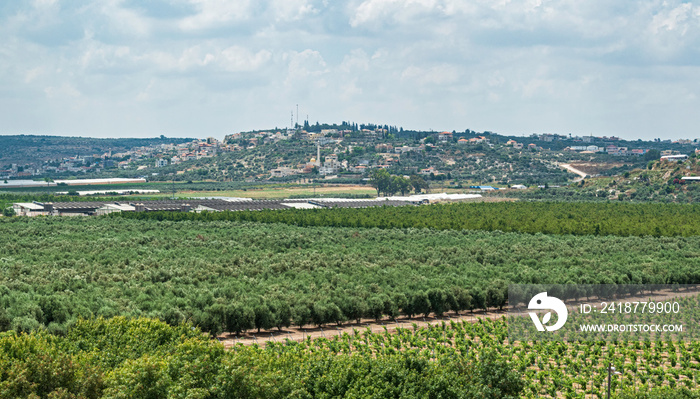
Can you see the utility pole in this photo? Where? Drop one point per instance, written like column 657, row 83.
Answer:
column 611, row 370
column 609, row 367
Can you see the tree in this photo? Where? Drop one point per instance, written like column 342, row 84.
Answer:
column 438, row 301
column 651, row 155
column 8, row 212
column 497, row 377
column 420, row 303
column 375, row 308
column 478, row 298
column 463, row 300
column 300, row 314
column 400, row 184
column 264, row 319
column 213, row 319
column 419, row 184
column 239, row 318
column 497, row 294
column 381, row 180
column 353, row 308
column 282, row 313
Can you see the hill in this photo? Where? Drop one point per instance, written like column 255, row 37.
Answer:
column 658, row 181
column 34, row 150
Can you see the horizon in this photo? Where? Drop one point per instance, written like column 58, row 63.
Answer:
column 435, row 131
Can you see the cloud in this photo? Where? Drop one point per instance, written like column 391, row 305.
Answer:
column 579, row 66
column 438, row 75
column 304, row 66
column 237, row 58
column 215, row 13
column 291, row 10
column 379, row 12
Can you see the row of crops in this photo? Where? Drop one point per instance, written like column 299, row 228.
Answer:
column 144, row 358
column 577, row 218
column 83, row 301
column 238, row 276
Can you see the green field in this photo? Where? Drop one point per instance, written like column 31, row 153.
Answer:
column 611, row 218
column 220, row 272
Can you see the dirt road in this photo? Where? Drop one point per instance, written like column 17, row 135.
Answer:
column 571, row 169
column 299, row 334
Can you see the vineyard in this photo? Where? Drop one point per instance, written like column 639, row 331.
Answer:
column 143, row 358
column 577, row 218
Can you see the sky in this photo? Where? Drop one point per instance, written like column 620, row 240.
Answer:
column 195, row 68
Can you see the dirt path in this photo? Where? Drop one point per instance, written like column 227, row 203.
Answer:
column 300, row 334
column 582, row 174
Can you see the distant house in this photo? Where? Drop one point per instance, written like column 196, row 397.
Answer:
column 462, row 141
column 445, row 137
column 160, row 162
column 671, row 158
column 428, row 171
column 514, row 144
column 282, row 172
column 384, row 147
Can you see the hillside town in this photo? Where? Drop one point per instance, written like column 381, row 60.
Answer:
column 349, row 151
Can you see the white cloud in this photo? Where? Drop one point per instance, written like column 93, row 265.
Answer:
column 216, row 13
column 32, row 74
column 304, row 64
column 373, row 12
column 62, row 92
column 438, row 75
column 126, row 21
column 356, row 61
column 291, row 10
column 236, row 58
column 463, row 62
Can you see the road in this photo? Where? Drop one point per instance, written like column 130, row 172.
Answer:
column 571, row 169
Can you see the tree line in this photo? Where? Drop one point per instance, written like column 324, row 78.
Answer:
column 575, row 218
column 389, row 185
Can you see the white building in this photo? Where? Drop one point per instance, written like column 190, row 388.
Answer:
column 28, row 209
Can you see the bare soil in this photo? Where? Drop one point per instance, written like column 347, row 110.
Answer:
column 327, row 331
